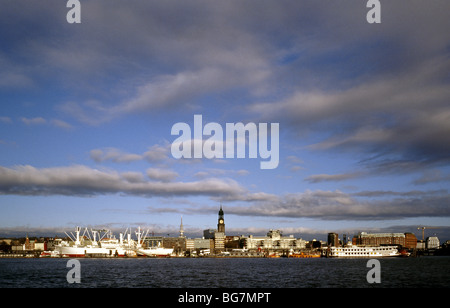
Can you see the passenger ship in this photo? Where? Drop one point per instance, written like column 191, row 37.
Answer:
column 353, row 251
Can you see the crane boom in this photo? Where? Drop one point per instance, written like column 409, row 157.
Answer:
column 423, row 231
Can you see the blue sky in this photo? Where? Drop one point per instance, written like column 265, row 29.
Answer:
column 86, row 112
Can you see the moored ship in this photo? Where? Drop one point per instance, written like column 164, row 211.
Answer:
column 151, row 251
column 105, row 247
column 155, row 252
column 353, row 251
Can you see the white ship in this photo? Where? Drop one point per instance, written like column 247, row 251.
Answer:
column 151, row 251
column 49, row 254
column 353, row 251
column 156, row 252
column 85, row 245
column 105, row 247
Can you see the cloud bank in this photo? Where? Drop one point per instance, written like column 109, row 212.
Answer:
column 82, row 181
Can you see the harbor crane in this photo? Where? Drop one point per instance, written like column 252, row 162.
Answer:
column 423, row 231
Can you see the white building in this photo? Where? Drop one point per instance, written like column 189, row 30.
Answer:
column 274, row 241
column 432, row 242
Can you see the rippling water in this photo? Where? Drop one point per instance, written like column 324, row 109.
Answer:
column 225, row 272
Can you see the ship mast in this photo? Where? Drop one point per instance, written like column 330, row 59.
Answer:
column 77, row 242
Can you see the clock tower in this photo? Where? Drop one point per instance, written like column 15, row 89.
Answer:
column 219, row 235
column 221, row 221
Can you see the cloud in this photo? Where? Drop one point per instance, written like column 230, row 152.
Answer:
column 13, row 75
column 214, row 172
column 316, row 178
column 81, row 180
column 163, row 175
column 61, row 124
column 399, row 123
column 337, row 205
column 165, row 92
column 333, row 205
column 6, row 120
column 41, row 121
column 34, row 121
column 186, row 51
column 432, row 176
column 113, row 154
column 379, row 93
column 155, row 154
column 171, row 90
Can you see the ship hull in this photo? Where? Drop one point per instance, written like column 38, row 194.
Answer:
column 155, row 252
column 81, row 252
column 363, row 252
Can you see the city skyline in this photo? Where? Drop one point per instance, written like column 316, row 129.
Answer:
column 87, row 111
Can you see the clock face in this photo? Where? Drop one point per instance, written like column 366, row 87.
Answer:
column 221, row 221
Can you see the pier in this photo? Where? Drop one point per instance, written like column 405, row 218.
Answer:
column 20, row 255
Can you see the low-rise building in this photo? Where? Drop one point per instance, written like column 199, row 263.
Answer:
column 432, row 242
column 274, row 240
column 406, row 240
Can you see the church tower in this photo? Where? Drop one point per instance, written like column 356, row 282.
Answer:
column 181, row 228
column 221, row 221
column 219, row 235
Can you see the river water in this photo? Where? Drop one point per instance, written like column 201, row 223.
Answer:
column 225, row 273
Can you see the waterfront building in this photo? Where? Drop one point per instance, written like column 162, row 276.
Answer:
column 219, row 241
column 233, row 242
column 153, row 241
column 333, row 240
column 178, row 244
column 274, row 240
column 209, row 233
column 202, row 243
column 189, row 244
column 29, row 245
column 199, row 243
column 406, row 240
column 40, row 246
column 432, row 242
column 410, row 241
column 420, row 245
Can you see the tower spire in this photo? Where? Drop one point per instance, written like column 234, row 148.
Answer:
column 181, row 227
column 221, row 211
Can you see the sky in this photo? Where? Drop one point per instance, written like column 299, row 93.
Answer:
column 87, row 110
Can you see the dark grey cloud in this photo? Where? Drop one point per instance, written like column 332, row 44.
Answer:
column 134, row 56
column 314, row 66
column 319, row 204
column 335, row 205
column 432, row 176
column 378, row 93
column 81, row 180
